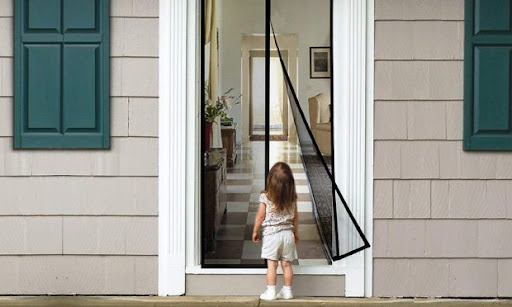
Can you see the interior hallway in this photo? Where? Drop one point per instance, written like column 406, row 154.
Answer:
column 245, row 181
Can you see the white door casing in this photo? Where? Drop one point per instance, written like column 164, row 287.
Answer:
column 177, row 34
column 353, row 140
column 368, row 198
column 179, row 131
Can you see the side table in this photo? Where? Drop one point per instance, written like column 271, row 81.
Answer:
column 229, row 143
column 215, row 195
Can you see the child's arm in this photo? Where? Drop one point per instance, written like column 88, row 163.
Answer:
column 260, row 216
column 296, row 224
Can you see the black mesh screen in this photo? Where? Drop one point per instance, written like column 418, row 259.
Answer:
column 341, row 235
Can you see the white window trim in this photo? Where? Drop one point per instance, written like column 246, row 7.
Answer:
column 179, row 124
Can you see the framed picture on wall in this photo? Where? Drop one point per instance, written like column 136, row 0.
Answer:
column 319, row 62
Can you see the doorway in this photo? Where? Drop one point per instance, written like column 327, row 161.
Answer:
column 353, row 26
column 278, row 98
column 253, row 46
column 226, row 207
column 230, row 192
column 235, row 196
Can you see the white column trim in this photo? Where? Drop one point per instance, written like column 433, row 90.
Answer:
column 350, row 121
column 193, row 213
column 368, row 229
column 172, row 119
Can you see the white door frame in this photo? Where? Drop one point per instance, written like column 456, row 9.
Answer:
column 179, row 113
column 178, row 132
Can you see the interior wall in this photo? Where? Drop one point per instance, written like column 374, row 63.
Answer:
column 309, row 19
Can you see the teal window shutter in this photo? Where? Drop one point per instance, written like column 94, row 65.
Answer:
column 487, row 75
column 62, row 74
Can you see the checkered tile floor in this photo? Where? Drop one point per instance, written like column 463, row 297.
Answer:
column 245, row 181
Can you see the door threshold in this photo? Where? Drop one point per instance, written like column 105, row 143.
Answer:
column 298, row 270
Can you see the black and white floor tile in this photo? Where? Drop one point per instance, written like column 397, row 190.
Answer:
column 245, row 181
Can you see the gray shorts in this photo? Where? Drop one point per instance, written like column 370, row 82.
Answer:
column 279, row 246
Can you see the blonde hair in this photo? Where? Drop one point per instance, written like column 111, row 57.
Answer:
column 281, row 187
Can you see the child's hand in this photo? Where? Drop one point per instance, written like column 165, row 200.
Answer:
column 296, row 235
column 255, row 237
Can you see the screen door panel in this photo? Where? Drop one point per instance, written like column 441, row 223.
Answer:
column 340, row 233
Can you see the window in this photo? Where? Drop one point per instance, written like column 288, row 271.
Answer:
column 61, row 74
column 487, row 75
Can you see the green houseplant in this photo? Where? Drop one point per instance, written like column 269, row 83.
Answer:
column 218, row 108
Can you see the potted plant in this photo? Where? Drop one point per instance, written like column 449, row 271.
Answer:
column 218, row 108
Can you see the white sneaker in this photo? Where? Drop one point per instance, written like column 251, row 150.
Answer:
column 268, row 295
column 284, row 295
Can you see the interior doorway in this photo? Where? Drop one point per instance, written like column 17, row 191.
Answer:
column 278, row 98
column 252, row 105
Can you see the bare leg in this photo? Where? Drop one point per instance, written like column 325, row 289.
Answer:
column 287, row 272
column 271, row 272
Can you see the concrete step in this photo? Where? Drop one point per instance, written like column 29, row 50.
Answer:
column 253, row 285
column 124, row 301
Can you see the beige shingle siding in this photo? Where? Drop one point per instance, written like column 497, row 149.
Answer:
column 85, row 221
column 438, row 277
column 82, row 274
column 419, row 10
column 443, row 217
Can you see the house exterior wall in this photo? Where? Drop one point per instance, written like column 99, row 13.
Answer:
column 442, row 216
column 85, row 221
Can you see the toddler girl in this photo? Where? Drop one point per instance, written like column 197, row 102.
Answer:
column 278, row 216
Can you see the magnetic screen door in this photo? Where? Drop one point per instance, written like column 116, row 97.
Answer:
column 291, row 93
column 234, row 95
column 331, row 211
